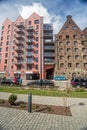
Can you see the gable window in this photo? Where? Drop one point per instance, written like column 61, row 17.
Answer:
column 67, row 36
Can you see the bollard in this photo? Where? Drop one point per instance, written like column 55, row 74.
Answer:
column 30, row 102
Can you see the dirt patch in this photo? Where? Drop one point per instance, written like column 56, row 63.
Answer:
column 49, row 109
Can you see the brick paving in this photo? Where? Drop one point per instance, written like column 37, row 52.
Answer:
column 12, row 119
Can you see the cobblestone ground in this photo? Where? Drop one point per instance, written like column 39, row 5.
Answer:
column 12, row 119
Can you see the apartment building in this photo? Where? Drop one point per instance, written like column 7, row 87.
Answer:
column 27, row 48
column 71, row 50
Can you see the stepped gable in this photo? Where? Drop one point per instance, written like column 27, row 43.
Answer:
column 70, row 26
column 85, row 31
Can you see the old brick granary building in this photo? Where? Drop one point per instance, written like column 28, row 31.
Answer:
column 71, row 50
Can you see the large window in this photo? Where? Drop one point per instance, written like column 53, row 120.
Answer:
column 36, row 21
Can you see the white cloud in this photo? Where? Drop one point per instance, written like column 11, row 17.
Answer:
column 26, row 11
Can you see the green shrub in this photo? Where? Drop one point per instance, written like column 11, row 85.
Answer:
column 22, row 105
column 12, row 99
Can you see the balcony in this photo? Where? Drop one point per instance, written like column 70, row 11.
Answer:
column 49, row 62
column 30, row 28
column 29, row 62
column 19, row 25
column 19, row 42
column 48, row 27
column 49, row 54
column 29, row 54
column 19, row 62
column 19, row 49
column 21, row 36
column 19, row 55
column 20, row 30
column 30, row 41
column 48, row 41
column 48, row 35
column 49, row 47
column 29, row 47
column 30, row 35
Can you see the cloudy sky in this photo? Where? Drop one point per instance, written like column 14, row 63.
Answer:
column 53, row 11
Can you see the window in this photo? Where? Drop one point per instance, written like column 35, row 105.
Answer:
column 76, row 56
column 67, row 36
column 69, row 57
column 36, row 33
column 36, row 59
column 37, row 45
column 1, row 38
column 29, row 67
column 65, row 27
column 7, row 37
column 36, row 39
column 85, row 64
column 76, row 49
column 9, row 26
column 36, row 21
column 60, row 43
column 6, row 48
column 2, row 32
column 74, row 27
column 61, row 57
column 61, row 64
column 36, row 67
column 2, row 27
column 5, row 68
column 5, row 61
column 68, row 43
column 61, row 50
column 8, row 31
column 7, row 43
column 6, row 54
column 69, row 65
column 75, row 42
column 60, row 36
column 0, row 49
column 36, row 52
column 77, row 65
column 85, row 57
column 84, row 50
column 74, row 36
column 37, row 26
column 29, row 22
column 68, row 49
column 12, row 67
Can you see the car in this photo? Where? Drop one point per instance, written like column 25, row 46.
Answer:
column 41, row 82
column 6, row 81
column 82, row 82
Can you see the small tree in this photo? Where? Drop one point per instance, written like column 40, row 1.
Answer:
column 12, row 99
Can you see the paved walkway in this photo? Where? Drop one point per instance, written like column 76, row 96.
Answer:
column 11, row 119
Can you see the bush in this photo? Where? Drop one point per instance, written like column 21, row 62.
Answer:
column 12, row 99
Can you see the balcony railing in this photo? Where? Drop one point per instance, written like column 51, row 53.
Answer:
column 19, row 62
column 49, row 54
column 49, row 47
column 19, row 48
column 30, row 28
column 48, row 34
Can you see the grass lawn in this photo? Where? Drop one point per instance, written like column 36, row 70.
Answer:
column 79, row 93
